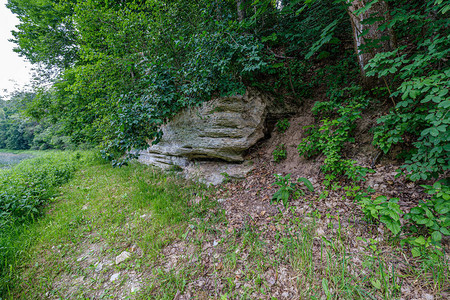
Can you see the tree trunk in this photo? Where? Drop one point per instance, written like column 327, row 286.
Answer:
column 240, row 10
column 373, row 40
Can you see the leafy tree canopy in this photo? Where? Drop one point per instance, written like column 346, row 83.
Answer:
column 126, row 67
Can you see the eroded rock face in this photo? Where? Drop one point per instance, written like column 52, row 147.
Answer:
column 222, row 130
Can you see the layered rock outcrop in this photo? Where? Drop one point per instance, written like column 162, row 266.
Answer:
column 220, row 130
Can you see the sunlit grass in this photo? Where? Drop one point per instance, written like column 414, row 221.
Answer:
column 104, row 211
column 114, row 207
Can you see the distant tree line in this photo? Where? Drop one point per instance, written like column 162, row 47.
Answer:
column 21, row 132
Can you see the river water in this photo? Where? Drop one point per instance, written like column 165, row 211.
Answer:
column 7, row 160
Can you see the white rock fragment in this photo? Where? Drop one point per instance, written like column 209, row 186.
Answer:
column 78, row 280
column 122, row 257
column 320, row 232
column 405, row 290
column 428, row 297
column 114, row 277
column 135, row 288
column 98, row 267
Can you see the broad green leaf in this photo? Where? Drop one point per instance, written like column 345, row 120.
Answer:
column 416, row 210
column 307, row 183
column 420, row 241
column 415, row 252
column 434, row 132
column 444, row 231
column 444, row 104
column 436, row 236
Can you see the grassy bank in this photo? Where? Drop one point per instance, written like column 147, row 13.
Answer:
column 26, row 190
column 137, row 233
column 101, row 212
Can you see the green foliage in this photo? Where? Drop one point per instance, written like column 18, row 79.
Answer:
column 419, row 80
column 338, row 120
column 287, row 78
column 20, row 132
column 282, row 125
column 325, row 37
column 46, row 33
column 138, row 65
column 426, row 223
column 16, row 131
column 310, row 26
column 126, row 68
column 127, row 63
column 432, row 217
column 384, row 211
column 27, row 187
column 24, row 191
column 288, row 188
column 279, row 153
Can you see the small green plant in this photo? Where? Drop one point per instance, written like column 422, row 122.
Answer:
column 337, row 121
column 279, row 153
column 430, row 219
column 175, row 168
column 288, row 188
column 282, row 125
column 384, row 211
column 226, row 176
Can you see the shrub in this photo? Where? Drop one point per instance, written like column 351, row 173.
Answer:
column 421, row 113
column 338, row 120
column 279, row 153
column 426, row 224
column 385, row 211
column 282, row 125
column 430, row 219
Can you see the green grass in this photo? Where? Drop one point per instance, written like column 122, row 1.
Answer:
column 25, row 190
column 108, row 207
column 179, row 239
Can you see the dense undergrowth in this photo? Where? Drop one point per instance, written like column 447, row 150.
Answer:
column 25, row 191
